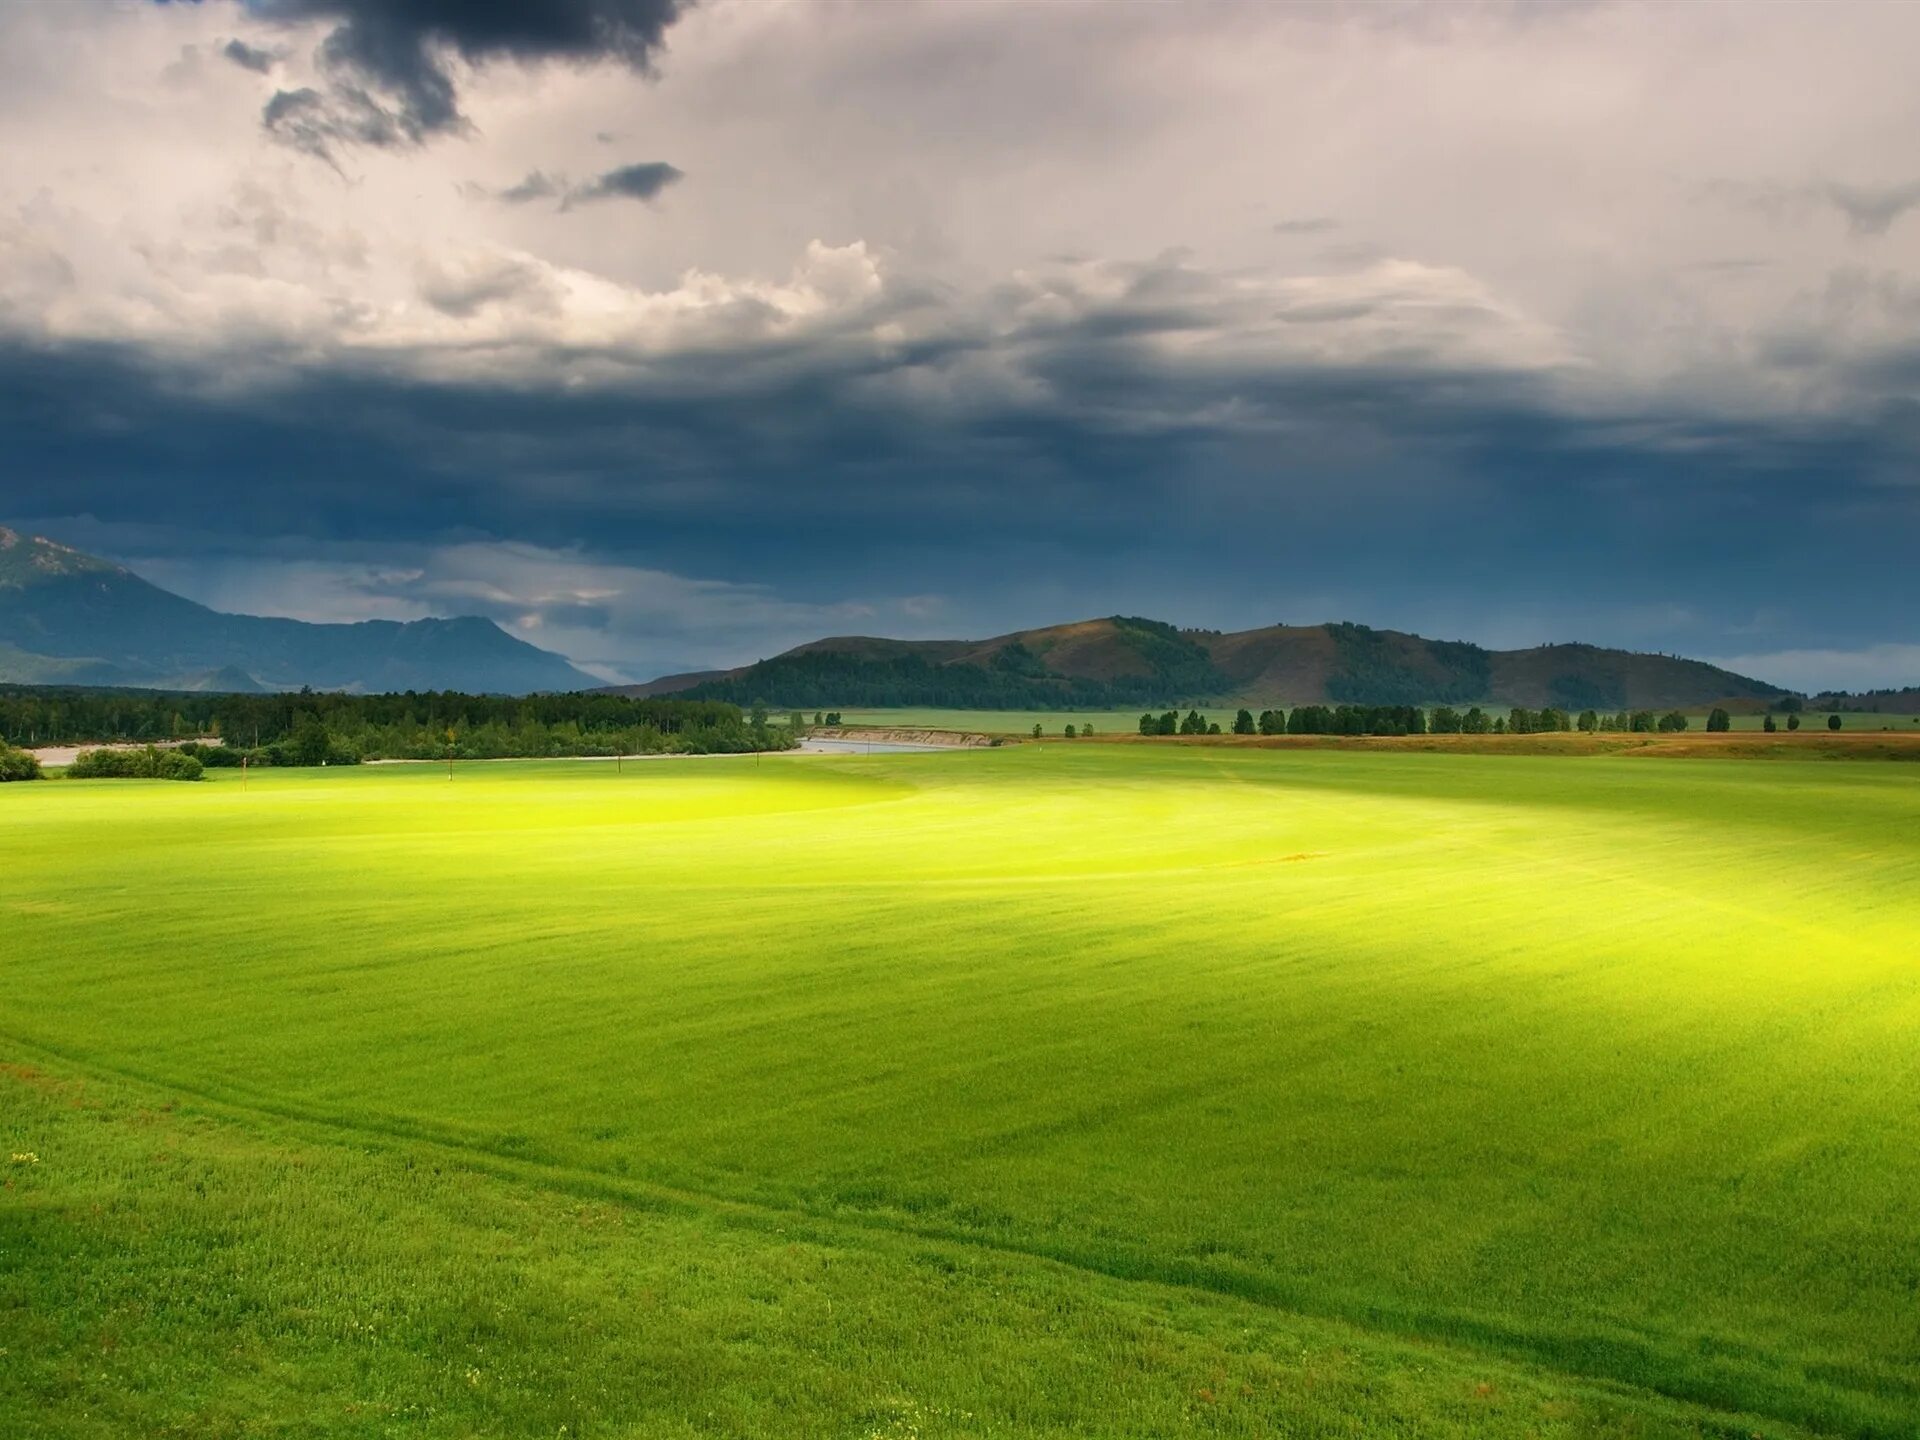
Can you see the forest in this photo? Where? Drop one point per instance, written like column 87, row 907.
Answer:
column 314, row 728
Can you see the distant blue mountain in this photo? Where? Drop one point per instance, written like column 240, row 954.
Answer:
column 70, row 618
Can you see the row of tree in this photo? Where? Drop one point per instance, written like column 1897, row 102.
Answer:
column 312, row 729
column 1441, row 720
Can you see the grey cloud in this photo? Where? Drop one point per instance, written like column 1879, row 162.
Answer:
column 641, row 181
column 632, row 182
column 314, row 122
column 465, row 293
column 247, row 57
column 1872, row 209
column 1308, row 225
column 537, row 186
column 386, row 60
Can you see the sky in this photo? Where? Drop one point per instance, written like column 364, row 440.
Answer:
column 670, row 335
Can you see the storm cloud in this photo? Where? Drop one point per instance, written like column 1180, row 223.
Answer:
column 389, row 81
column 1045, row 343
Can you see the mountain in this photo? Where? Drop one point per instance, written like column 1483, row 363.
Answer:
column 1126, row 661
column 71, row 618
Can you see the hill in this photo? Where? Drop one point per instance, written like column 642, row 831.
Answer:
column 1126, row 660
column 74, row 619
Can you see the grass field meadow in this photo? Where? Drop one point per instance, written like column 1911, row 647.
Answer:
column 1043, row 1090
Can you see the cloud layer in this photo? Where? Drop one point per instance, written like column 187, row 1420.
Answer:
column 1016, row 312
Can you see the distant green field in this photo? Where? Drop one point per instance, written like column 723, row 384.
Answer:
column 1047, row 1090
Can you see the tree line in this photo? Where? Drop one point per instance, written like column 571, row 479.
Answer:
column 312, row 729
column 1413, row 720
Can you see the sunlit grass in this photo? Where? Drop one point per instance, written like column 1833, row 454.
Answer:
column 1589, row 1072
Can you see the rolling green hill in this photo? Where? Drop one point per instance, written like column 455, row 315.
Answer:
column 1093, row 664
column 69, row 618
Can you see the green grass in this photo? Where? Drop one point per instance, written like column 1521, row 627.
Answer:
column 1044, row 1090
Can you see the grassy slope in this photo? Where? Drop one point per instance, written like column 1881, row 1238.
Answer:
column 1073, row 1089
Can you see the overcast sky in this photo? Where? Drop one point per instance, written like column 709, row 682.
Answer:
column 672, row 335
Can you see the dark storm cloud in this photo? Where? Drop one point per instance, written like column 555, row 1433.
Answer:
column 642, row 181
column 247, row 57
column 1112, row 469
column 386, row 60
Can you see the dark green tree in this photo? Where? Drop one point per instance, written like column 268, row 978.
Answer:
column 1243, row 722
column 308, row 744
column 1719, row 719
column 1833, row 722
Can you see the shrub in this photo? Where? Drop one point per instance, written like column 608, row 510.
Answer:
column 17, row 765
column 1833, row 722
column 1719, row 720
column 151, row 763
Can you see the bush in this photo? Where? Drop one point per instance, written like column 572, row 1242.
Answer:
column 1833, row 722
column 216, row 757
column 151, row 763
column 1719, row 720
column 17, row 765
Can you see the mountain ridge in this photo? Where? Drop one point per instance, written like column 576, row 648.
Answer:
column 1121, row 661
column 67, row 617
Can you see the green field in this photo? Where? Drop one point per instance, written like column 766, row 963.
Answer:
column 1045, row 1090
